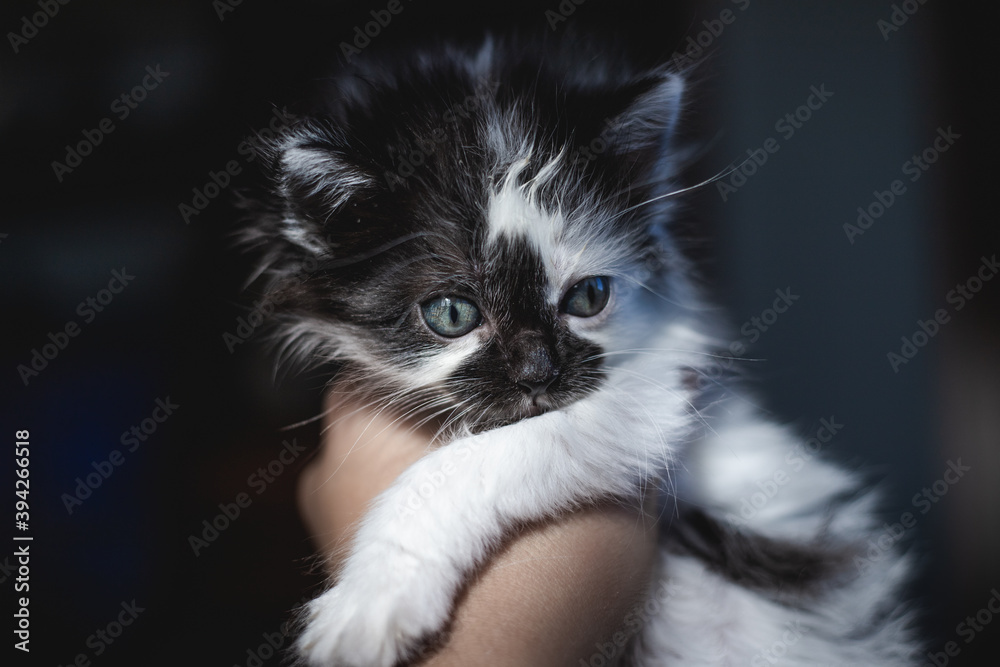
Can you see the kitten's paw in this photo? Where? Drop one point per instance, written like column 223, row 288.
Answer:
column 372, row 622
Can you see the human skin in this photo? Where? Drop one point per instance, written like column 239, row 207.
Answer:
column 547, row 597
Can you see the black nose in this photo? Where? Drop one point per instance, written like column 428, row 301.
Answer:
column 534, row 371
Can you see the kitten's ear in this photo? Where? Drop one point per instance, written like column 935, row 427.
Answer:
column 649, row 121
column 315, row 178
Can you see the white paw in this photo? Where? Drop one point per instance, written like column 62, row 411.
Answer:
column 375, row 616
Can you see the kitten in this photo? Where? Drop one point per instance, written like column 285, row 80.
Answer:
column 484, row 237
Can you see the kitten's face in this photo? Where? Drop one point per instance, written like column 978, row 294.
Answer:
column 466, row 259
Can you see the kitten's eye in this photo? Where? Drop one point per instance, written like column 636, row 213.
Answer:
column 588, row 297
column 451, row 316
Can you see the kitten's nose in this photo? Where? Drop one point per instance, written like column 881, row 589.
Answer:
column 535, row 371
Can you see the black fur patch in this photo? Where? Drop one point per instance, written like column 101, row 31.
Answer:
column 513, row 299
column 773, row 566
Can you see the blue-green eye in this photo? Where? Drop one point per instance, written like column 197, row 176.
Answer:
column 588, row 297
column 451, row 316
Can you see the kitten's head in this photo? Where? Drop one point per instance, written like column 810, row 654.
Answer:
column 470, row 234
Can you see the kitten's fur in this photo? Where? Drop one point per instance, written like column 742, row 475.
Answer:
column 461, row 173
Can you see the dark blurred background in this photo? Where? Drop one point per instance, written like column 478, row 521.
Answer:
column 109, row 544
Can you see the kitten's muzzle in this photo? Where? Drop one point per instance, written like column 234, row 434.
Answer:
column 534, row 371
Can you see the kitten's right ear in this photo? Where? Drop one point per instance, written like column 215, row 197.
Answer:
column 314, row 177
column 650, row 119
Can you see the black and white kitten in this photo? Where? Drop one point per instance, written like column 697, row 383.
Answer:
column 484, row 237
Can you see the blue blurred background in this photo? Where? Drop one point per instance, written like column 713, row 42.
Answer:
column 214, row 72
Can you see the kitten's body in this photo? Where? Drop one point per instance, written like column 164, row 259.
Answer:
column 508, row 181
